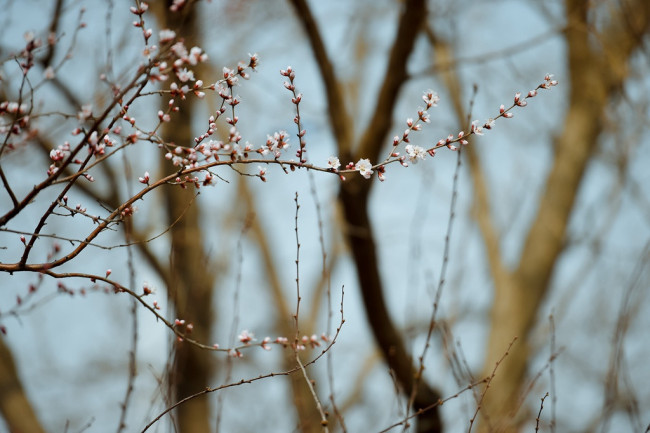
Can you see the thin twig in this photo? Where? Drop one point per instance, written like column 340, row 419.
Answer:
column 323, row 417
column 617, row 356
column 325, row 275
column 539, row 414
column 298, row 298
column 235, row 308
column 443, row 269
column 440, row 402
column 134, row 316
column 551, row 372
column 255, row 379
column 487, row 384
column 529, row 387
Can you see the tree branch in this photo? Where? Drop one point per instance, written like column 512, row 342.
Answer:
column 339, row 119
column 408, row 29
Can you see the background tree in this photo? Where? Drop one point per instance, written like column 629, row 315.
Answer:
column 223, row 257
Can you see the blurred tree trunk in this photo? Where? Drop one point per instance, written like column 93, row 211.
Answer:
column 191, row 291
column 354, row 198
column 192, row 279
column 355, row 192
column 15, row 407
column 597, row 70
column 308, row 416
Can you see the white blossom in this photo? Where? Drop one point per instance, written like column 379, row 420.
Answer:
column 333, row 162
column 364, row 167
column 166, row 35
column 185, row 75
column 415, row 153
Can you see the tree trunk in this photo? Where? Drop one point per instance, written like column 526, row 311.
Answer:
column 596, row 75
column 192, row 279
column 14, row 404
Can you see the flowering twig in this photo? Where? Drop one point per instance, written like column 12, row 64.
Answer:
column 182, row 177
column 297, row 97
column 255, row 379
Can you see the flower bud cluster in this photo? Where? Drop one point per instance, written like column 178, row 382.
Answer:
column 26, row 56
column 417, row 153
column 213, row 148
column 15, row 121
column 177, row 5
column 247, row 339
column 29, row 300
column 146, row 33
column 297, row 97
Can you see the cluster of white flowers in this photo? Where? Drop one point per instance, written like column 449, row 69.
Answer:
column 415, row 153
column 364, row 167
column 333, row 163
column 166, row 35
column 275, row 143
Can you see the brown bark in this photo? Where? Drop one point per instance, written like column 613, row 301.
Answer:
column 191, row 293
column 191, row 277
column 15, row 407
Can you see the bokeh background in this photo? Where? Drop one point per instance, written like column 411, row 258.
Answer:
column 550, row 215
